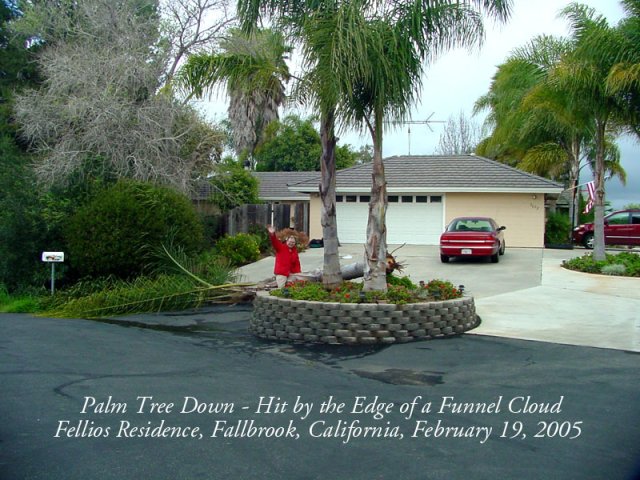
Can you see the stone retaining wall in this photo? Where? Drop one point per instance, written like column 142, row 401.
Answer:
column 359, row 323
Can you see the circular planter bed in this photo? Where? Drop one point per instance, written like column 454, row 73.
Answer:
column 284, row 319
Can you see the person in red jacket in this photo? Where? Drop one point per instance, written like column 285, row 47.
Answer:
column 287, row 259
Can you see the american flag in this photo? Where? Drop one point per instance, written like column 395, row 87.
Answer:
column 591, row 190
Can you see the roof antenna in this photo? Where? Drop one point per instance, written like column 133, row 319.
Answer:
column 426, row 122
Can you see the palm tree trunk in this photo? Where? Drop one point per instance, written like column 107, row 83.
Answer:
column 574, row 175
column 598, row 227
column 375, row 274
column 331, row 276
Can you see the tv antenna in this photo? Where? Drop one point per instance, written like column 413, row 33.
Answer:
column 426, row 122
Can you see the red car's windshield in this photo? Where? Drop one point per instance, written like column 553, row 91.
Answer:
column 470, row 225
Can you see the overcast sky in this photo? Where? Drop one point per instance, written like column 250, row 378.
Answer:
column 459, row 78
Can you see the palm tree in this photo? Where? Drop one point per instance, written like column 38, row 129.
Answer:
column 365, row 59
column 625, row 74
column 329, row 56
column 585, row 73
column 253, row 67
column 398, row 42
column 537, row 125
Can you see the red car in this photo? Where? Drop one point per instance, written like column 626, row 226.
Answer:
column 472, row 237
column 620, row 228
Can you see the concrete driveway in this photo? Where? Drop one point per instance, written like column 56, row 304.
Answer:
column 527, row 295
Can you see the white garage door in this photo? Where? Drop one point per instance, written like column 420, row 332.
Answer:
column 411, row 219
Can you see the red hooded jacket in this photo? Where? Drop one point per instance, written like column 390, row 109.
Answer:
column 287, row 260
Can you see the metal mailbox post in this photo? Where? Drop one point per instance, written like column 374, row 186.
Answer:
column 53, row 258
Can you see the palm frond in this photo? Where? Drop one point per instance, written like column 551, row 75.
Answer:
column 146, row 295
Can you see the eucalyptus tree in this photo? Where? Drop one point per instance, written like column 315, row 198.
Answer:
column 192, row 26
column 253, row 67
column 102, row 63
column 364, row 61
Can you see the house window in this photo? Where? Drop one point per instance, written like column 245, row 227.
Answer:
column 392, row 198
column 436, row 198
column 338, row 198
column 352, row 198
column 407, row 199
column 365, row 198
column 421, row 199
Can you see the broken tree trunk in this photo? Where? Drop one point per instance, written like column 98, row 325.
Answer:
column 349, row 272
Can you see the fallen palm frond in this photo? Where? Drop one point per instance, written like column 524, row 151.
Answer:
column 144, row 295
column 178, row 288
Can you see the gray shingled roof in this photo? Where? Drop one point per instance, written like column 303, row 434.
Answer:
column 438, row 173
column 273, row 185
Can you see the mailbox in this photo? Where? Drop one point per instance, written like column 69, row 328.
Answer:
column 56, row 257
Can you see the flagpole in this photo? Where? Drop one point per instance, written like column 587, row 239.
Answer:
column 577, row 186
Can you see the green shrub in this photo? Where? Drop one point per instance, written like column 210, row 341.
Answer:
column 401, row 281
column 239, row 249
column 262, row 236
column 400, row 294
column 114, row 233
column 630, row 260
column 212, row 268
column 586, row 264
column 623, row 263
column 20, row 303
column 614, row 269
column 351, row 292
column 442, row 290
column 557, row 229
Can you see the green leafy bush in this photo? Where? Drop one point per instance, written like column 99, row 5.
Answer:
column 623, row 264
column 351, row 292
column 262, row 236
column 557, row 229
column 233, row 186
column 442, row 290
column 401, row 281
column 19, row 303
column 239, row 249
column 114, row 233
column 614, row 269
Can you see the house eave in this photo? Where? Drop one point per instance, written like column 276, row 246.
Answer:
column 297, row 198
column 550, row 190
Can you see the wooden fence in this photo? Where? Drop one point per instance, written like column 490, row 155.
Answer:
column 280, row 215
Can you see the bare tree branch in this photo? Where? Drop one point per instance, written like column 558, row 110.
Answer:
column 461, row 136
column 99, row 104
column 193, row 26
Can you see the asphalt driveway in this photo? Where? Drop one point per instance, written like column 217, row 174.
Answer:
column 89, row 400
column 192, row 395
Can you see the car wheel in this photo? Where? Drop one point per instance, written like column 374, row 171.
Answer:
column 587, row 241
column 495, row 258
column 504, row 247
column 444, row 258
